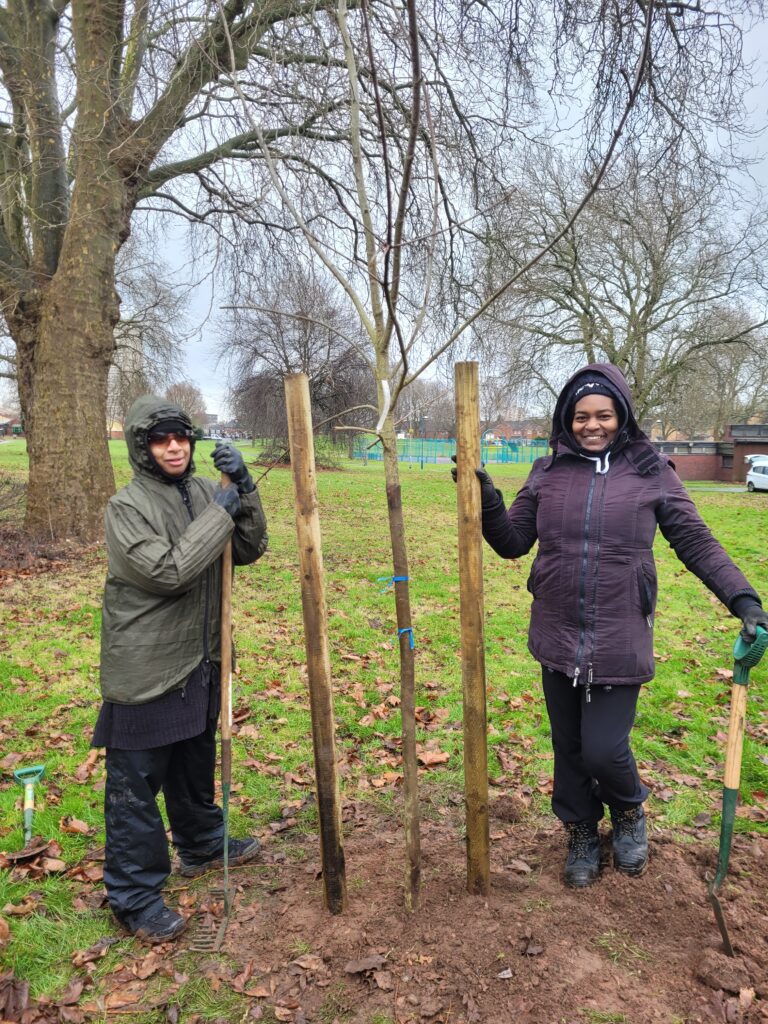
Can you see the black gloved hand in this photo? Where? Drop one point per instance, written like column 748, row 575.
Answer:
column 229, row 499
column 751, row 614
column 489, row 496
column 227, row 459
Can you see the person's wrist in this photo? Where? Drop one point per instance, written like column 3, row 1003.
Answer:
column 491, row 502
column 745, row 604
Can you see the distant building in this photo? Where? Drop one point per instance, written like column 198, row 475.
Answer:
column 525, row 429
column 10, row 424
column 718, row 460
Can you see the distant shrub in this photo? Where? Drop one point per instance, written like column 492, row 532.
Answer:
column 13, row 495
column 327, row 454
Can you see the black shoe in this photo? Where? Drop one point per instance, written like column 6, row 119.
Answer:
column 240, row 852
column 582, row 865
column 153, row 925
column 630, row 841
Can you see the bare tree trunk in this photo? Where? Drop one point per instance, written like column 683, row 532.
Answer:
column 64, row 390
column 71, row 474
column 411, row 817
column 63, row 327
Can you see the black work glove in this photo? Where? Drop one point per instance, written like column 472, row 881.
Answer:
column 229, row 499
column 751, row 614
column 489, row 496
column 227, row 459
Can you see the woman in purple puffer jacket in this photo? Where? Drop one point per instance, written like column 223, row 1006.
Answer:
column 593, row 506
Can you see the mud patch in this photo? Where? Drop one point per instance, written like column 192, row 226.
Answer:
column 630, row 950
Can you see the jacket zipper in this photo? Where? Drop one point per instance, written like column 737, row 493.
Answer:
column 583, row 585
column 603, row 485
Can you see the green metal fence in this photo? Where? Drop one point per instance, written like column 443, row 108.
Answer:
column 430, row 449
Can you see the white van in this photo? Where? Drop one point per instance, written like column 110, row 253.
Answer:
column 752, row 459
column 757, row 477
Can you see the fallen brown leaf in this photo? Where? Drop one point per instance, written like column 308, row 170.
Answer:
column 22, row 909
column 429, row 758
column 259, row 992
column 241, row 980
column 249, row 732
column 520, row 866
column 368, row 963
column 74, row 825
column 14, row 997
column 81, row 957
column 52, row 865
column 88, row 767
column 71, row 994
column 752, row 813
column 148, row 966
column 310, row 962
column 282, row 826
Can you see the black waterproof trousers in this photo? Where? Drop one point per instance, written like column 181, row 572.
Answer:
column 594, row 764
column 137, row 861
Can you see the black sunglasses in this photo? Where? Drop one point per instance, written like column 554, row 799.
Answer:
column 163, row 437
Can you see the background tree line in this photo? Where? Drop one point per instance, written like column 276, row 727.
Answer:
column 526, row 185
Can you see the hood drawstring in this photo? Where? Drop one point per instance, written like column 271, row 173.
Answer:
column 600, row 467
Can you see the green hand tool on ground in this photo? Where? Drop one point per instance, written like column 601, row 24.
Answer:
column 746, row 655
column 28, row 778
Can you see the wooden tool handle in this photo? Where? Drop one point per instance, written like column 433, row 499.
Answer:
column 226, row 634
column 735, row 736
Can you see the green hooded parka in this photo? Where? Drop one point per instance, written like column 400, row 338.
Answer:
column 163, row 591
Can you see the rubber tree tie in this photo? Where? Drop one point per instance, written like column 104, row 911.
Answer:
column 389, row 581
column 409, row 631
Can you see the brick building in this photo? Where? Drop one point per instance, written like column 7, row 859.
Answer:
column 725, row 460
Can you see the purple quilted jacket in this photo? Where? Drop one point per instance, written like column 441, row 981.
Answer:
column 593, row 579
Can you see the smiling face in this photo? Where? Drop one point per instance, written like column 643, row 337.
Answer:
column 172, row 453
column 595, row 422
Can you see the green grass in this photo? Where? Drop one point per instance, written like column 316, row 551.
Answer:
column 603, row 1017
column 49, row 693
column 620, row 950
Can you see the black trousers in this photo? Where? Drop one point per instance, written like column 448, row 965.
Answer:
column 594, row 764
column 137, row 861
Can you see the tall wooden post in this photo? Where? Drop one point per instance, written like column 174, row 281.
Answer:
column 302, row 451
column 472, row 627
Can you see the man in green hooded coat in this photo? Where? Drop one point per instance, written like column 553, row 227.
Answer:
column 160, row 661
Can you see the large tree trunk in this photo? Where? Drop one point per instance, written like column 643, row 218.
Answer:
column 63, row 373
column 70, row 476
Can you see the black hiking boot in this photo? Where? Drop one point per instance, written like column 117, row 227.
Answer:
column 630, row 841
column 582, row 865
column 241, row 851
column 153, row 925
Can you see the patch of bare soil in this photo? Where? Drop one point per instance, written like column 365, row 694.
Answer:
column 24, row 555
column 632, row 950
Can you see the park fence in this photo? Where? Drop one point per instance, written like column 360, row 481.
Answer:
column 430, row 449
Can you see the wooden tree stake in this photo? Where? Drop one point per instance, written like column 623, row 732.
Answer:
column 302, row 451
column 472, row 627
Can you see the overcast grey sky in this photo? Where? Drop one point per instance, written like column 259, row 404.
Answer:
column 201, row 355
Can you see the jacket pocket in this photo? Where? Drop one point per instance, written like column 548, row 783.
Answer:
column 530, row 583
column 646, row 586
